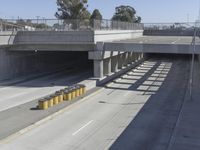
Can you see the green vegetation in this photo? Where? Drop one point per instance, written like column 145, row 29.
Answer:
column 72, row 9
column 126, row 14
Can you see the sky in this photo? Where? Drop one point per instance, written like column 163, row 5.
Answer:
column 151, row 11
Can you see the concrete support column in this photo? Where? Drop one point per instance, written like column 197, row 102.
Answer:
column 142, row 55
column 139, row 56
column 107, row 66
column 133, row 57
column 120, row 61
column 98, row 68
column 114, row 64
column 130, row 58
column 124, row 59
column 127, row 59
column 136, row 57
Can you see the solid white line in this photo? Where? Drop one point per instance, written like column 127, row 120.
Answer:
column 82, row 127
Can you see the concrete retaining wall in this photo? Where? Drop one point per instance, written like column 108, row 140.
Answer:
column 53, row 37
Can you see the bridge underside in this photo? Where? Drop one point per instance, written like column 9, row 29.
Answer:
column 155, row 44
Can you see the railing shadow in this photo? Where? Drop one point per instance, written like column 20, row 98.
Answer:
column 152, row 126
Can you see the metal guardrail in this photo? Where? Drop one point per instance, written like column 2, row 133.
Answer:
column 66, row 25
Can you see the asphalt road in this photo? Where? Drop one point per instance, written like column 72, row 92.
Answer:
column 137, row 111
column 28, row 91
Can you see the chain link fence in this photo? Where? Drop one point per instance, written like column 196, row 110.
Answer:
column 65, row 25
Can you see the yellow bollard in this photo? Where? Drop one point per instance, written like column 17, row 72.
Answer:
column 58, row 95
column 43, row 104
column 77, row 88
column 80, row 90
column 73, row 91
column 68, row 95
column 63, row 94
column 61, row 97
column 55, row 99
column 50, row 101
column 83, row 89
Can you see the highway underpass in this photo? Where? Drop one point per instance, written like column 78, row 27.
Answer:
column 142, row 103
column 146, row 108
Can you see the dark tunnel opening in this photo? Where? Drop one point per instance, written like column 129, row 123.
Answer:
column 24, row 64
column 168, row 55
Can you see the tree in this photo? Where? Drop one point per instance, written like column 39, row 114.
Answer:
column 72, row 9
column 126, row 14
column 138, row 20
column 95, row 19
column 96, row 15
column 69, row 10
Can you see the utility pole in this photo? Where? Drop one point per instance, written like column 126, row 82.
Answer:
column 37, row 19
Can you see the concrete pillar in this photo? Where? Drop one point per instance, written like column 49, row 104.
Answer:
column 130, row 58
column 133, row 57
column 107, row 66
column 136, row 57
column 98, row 68
column 120, row 61
column 114, row 64
column 140, row 56
column 124, row 59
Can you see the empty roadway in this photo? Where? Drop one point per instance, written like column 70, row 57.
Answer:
column 110, row 118
column 21, row 93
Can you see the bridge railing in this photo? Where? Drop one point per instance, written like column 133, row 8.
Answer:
column 66, row 25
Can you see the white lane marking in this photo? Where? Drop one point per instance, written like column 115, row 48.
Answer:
column 82, row 127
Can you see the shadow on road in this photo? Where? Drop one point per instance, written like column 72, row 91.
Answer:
column 166, row 83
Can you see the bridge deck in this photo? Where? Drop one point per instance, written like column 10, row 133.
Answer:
column 160, row 40
column 155, row 44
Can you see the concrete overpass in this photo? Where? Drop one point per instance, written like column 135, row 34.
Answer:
column 110, row 50
column 37, row 43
